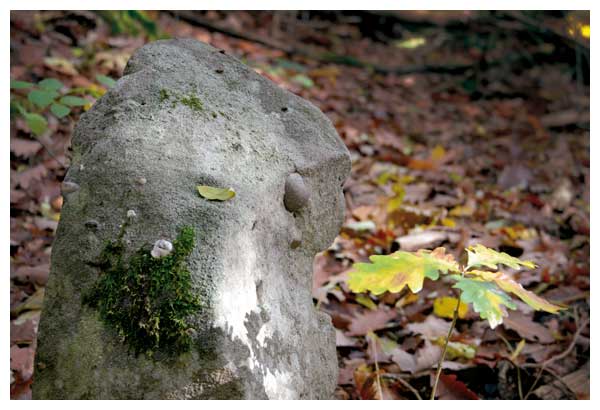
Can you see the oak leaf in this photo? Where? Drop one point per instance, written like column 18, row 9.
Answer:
column 393, row 272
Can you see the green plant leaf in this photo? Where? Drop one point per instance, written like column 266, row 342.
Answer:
column 42, row 98
column 60, row 110
column 37, row 124
column 105, row 81
column 479, row 255
column 17, row 85
column 508, row 284
column 303, row 80
column 214, row 193
column 487, row 299
column 393, row 272
column 50, row 84
column 73, row 101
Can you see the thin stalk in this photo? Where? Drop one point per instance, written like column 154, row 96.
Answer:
column 439, row 367
column 377, row 379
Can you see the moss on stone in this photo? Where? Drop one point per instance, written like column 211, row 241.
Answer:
column 164, row 95
column 190, row 100
column 147, row 300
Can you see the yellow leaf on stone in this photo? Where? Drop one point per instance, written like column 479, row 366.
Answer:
column 445, row 306
column 214, row 193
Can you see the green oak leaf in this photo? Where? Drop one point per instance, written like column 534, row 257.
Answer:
column 486, row 298
column 508, row 284
column 393, row 272
column 479, row 255
column 214, row 193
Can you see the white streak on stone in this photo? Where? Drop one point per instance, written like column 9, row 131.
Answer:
column 278, row 386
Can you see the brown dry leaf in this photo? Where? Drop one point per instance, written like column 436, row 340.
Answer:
column 450, row 388
column 370, row 321
column 432, row 328
column 25, row 178
column 527, row 328
column 37, row 274
column 24, row 148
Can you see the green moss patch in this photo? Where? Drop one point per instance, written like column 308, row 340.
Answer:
column 190, row 100
column 147, row 300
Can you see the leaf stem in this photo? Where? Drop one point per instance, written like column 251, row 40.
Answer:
column 439, row 366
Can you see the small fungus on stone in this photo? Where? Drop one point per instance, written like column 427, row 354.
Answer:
column 161, row 249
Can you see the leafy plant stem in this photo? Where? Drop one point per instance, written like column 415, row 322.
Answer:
column 439, row 366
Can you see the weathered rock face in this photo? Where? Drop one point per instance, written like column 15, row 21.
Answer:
column 183, row 115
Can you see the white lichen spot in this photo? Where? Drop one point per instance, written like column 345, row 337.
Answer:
column 161, row 248
column 131, row 214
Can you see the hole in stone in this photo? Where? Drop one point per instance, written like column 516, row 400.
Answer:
column 219, row 71
column 284, row 109
column 222, row 51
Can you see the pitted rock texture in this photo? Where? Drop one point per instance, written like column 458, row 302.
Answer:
column 185, row 114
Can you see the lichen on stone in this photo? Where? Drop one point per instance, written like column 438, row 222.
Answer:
column 147, row 300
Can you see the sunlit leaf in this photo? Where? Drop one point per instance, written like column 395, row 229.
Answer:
column 585, row 31
column 486, row 298
column 50, row 84
column 37, row 124
column 393, row 272
column 479, row 255
column 42, row 98
column 411, row 43
column 60, row 110
column 508, row 284
column 446, row 305
column 214, row 193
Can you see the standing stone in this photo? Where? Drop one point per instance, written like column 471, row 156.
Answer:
column 186, row 114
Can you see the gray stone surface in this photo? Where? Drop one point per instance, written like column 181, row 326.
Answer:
column 258, row 335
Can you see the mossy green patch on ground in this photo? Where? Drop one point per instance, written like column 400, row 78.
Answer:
column 147, row 300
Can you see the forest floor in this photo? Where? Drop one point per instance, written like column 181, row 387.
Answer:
column 462, row 129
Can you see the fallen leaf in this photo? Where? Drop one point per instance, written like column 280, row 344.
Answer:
column 431, row 328
column 370, row 321
column 450, row 388
column 446, row 305
column 527, row 328
column 216, row 194
column 24, row 148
